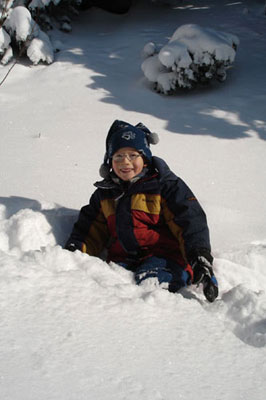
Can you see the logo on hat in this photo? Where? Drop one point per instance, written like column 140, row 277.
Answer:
column 129, row 135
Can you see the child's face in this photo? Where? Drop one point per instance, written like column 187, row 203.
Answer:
column 125, row 168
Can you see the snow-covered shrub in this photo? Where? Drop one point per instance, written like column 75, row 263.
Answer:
column 22, row 26
column 193, row 55
column 23, row 30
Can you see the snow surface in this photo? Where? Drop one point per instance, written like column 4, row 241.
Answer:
column 73, row 327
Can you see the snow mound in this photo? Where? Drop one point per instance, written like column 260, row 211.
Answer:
column 31, row 239
column 193, row 55
column 27, row 225
column 86, row 326
column 245, row 314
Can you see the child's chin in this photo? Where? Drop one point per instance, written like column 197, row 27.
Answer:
column 127, row 177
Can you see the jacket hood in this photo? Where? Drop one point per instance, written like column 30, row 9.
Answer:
column 163, row 169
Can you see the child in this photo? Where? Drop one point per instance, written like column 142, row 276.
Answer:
column 147, row 218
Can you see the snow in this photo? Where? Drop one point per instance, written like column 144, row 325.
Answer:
column 199, row 40
column 73, row 327
column 8, row 55
column 41, row 49
column 20, row 23
column 4, row 40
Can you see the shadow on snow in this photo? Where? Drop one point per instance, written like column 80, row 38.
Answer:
column 111, row 46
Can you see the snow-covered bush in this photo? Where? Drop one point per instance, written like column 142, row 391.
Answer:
column 193, row 55
column 22, row 26
column 6, row 51
column 22, row 29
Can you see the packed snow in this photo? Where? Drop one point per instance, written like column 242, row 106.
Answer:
column 73, row 327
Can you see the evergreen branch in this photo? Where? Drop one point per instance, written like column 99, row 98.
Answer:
column 4, row 12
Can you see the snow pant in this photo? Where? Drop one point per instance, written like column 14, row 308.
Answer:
column 163, row 270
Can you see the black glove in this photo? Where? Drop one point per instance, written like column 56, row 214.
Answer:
column 203, row 273
column 73, row 245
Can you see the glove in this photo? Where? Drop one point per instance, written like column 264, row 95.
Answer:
column 73, row 245
column 203, row 273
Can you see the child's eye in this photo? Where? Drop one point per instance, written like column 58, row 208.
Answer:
column 133, row 156
column 130, row 157
column 118, row 157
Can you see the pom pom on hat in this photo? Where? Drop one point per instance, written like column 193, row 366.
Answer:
column 122, row 134
column 152, row 137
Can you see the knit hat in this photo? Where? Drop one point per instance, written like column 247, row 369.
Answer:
column 122, row 134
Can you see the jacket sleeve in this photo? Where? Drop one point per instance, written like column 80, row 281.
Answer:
column 90, row 233
column 186, row 219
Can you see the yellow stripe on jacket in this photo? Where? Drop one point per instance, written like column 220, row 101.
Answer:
column 149, row 203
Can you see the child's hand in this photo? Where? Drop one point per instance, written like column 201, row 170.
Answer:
column 210, row 288
column 203, row 273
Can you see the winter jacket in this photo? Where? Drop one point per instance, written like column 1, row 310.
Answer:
column 158, row 215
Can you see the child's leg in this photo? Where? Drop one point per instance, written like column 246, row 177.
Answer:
column 165, row 271
column 153, row 267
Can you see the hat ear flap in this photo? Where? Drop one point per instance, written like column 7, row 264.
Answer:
column 104, row 171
